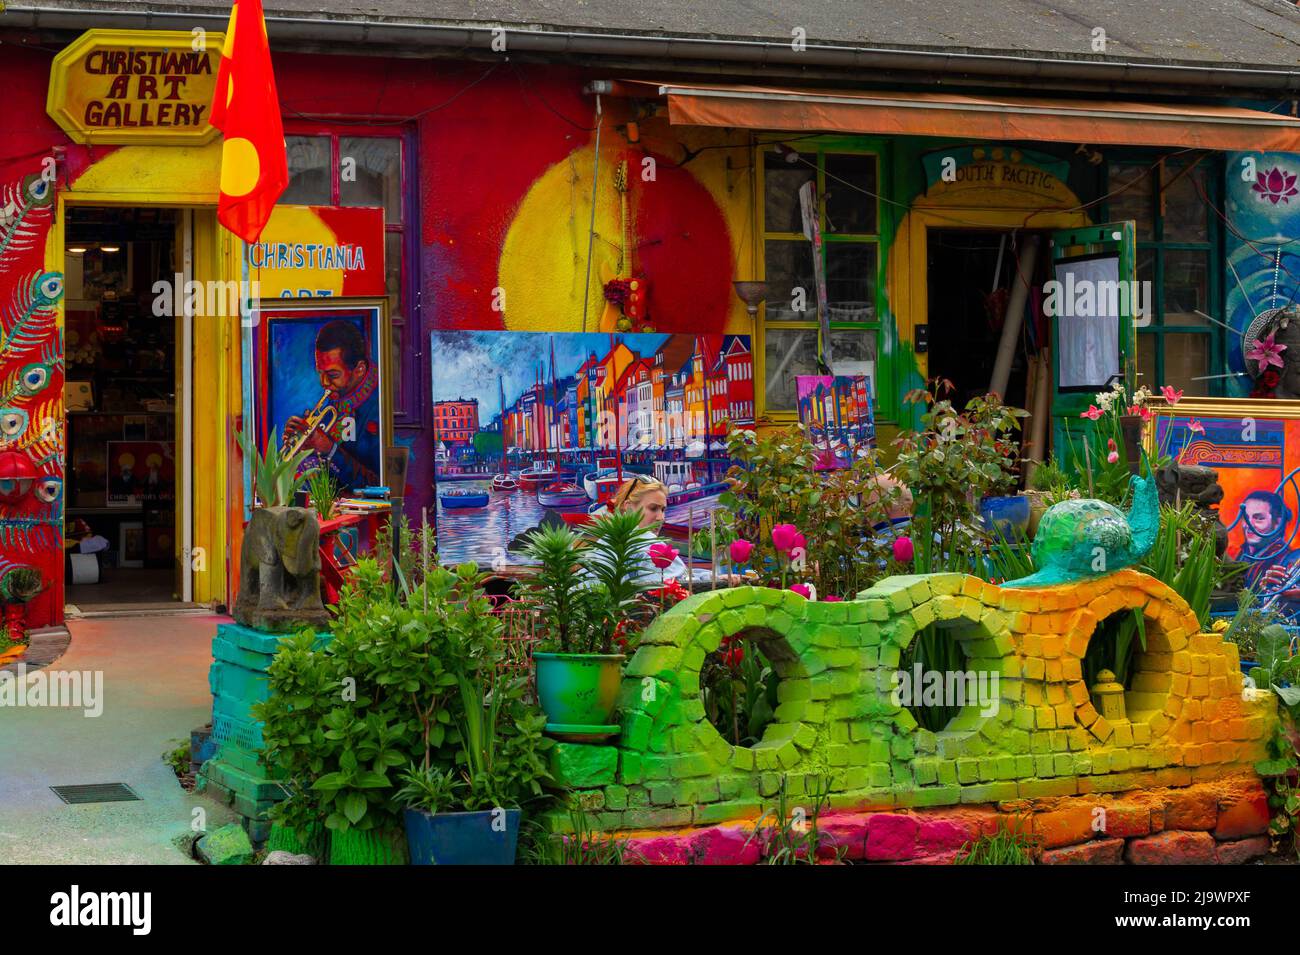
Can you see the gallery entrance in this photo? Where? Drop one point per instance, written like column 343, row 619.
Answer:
column 971, row 275
column 127, row 496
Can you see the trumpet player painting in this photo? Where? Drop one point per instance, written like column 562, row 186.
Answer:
column 320, row 381
column 1255, row 450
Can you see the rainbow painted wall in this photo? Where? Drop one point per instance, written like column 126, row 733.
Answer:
column 840, row 729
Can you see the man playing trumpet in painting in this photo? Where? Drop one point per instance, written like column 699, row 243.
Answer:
column 346, row 442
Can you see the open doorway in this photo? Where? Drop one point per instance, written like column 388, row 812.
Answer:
column 124, row 473
column 971, row 273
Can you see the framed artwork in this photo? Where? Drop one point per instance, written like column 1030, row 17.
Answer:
column 1254, row 446
column 536, row 426
column 836, row 410
column 131, row 545
column 321, row 369
column 140, row 472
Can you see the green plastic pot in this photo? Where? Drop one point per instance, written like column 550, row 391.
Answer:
column 578, row 689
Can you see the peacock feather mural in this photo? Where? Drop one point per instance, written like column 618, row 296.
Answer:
column 32, row 449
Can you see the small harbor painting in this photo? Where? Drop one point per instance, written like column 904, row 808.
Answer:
column 533, row 427
column 837, row 412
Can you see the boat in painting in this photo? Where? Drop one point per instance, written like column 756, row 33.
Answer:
column 463, row 500
column 563, row 496
column 504, row 482
column 538, row 475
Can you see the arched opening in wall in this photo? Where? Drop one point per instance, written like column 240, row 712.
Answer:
column 948, row 676
column 1123, row 662
column 739, row 684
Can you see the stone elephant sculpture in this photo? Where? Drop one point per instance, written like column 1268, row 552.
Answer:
column 279, row 575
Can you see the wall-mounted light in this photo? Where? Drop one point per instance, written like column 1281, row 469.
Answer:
column 110, row 248
column 790, row 154
column 76, row 249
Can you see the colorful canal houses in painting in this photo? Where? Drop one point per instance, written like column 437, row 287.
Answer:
column 595, row 410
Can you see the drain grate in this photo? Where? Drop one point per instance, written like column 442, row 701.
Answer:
column 95, row 792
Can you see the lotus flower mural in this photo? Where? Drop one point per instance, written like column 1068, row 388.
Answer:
column 1276, row 185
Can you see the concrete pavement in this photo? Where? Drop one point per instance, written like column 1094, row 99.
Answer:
column 155, row 690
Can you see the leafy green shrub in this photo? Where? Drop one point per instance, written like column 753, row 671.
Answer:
column 385, row 694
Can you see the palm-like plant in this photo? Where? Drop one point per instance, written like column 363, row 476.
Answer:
column 557, row 583
column 616, row 562
column 275, row 478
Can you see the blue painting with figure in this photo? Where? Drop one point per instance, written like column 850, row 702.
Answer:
column 320, row 387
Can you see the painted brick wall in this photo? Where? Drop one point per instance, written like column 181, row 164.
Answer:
column 836, row 723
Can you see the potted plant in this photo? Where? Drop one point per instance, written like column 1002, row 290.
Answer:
column 344, row 717
column 587, row 596
column 19, row 585
column 468, row 813
column 323, row 493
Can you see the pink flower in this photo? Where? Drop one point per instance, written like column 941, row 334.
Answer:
column 1196, row 427
column 740, row 551
column 1266, row 352
column 662, row 555
column 1110, row 444
column 1276, row 185
column 784, row 537
column 833, row 599
column 802, row 590
column 1171, row 394
column 1092, row 414
column 1113, row 457
column 1141, row 411
column 903, row 550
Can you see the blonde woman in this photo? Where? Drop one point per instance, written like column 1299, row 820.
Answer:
column 650, row 497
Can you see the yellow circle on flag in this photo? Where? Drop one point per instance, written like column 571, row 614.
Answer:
column 240, row 167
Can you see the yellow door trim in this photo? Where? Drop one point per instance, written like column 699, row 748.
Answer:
column 215, row 351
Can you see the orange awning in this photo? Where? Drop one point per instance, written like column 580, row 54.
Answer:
column 981, row 117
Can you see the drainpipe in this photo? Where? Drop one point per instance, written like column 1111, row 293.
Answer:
column 697, row 51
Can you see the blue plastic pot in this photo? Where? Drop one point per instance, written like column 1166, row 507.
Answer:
column 462, row 838
column 1006, row 517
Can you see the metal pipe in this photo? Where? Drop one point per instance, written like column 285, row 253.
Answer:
column 1013, row 317
column 465, row 36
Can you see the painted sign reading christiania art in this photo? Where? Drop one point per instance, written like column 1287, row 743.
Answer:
column 132, row 86
column 319, row 252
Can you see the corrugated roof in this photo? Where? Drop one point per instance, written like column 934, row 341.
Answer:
column 1224, row 32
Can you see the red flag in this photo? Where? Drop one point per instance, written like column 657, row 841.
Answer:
column 245, row 107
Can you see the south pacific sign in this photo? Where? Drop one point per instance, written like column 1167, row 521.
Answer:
column 133, row 86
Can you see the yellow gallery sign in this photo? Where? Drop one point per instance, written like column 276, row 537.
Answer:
column 136, row 86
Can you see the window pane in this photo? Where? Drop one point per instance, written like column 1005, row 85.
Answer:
column 789, row 352
column 378, row 174
column 853, row 352
column 790, row 267
column 1185, row 213
column 309, row 177
column 848, row 207
column 851, row 281
column 1186, row 287
column 1187, row 356
column 781, row 182
column 393, row 272
column 395, row 370
column 1131, row 198
column 1147, row 345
